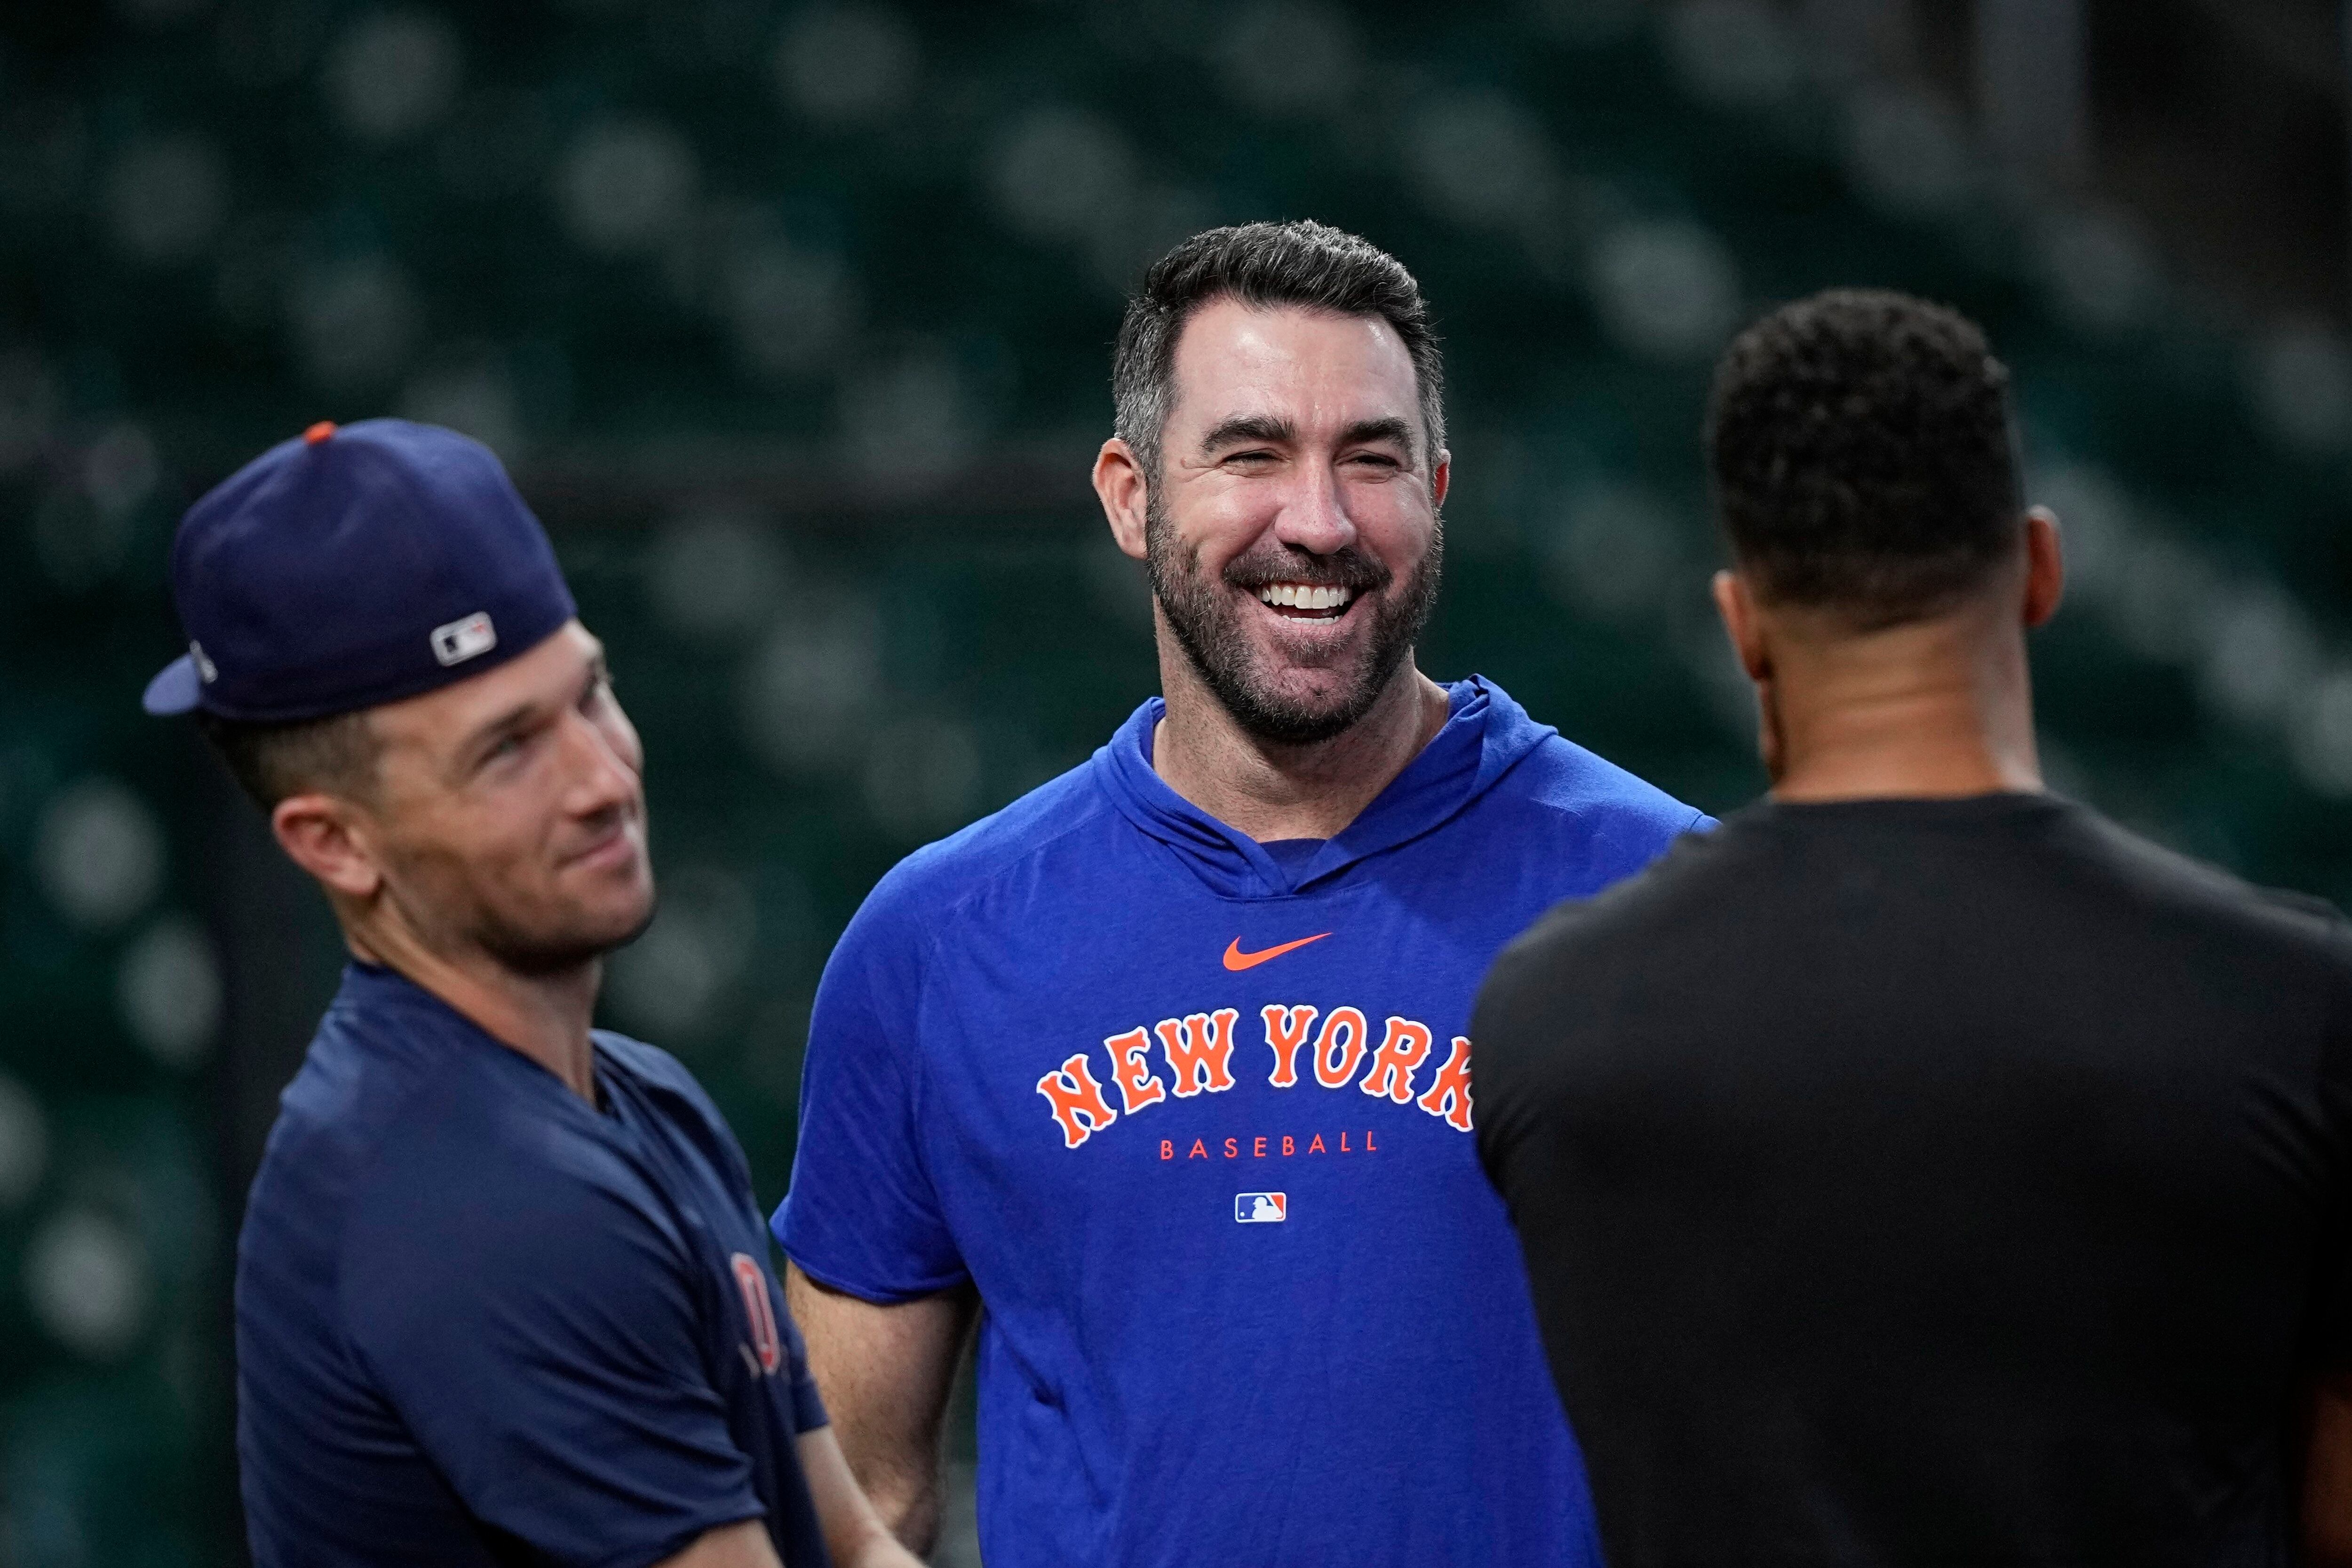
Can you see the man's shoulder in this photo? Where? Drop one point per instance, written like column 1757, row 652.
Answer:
column 1559, row 775
column 450, row 1224
column 2075, row 864
column 1563, row 789
column 1055, row 819
column 2155, row 883
column 365, row 1066
column 494, row 1122
column 399, row 1159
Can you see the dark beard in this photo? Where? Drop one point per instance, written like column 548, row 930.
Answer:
column 1214, row 641
column 535, row 953
column 539, row 955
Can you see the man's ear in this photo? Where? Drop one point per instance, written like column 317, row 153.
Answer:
column 1120, row 484
column 1744, row 624
column 323, row 835
column 1441, row 478
column 1737, row 606
column 2045, row 566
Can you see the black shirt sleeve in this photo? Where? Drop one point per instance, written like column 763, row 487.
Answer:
column 1509, row 1042
column 2332, row 1313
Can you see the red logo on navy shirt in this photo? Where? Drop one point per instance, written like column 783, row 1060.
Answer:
column 759, row 1310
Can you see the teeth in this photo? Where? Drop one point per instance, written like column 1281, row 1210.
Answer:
column 1300, row 596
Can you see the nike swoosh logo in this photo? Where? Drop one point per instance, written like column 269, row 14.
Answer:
column 1237, row 961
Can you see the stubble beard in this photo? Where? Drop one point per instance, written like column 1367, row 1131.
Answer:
column 541, row 953
column 455, row 916
column 1207, row 627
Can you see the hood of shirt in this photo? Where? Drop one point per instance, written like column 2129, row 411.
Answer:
column 1486, row 734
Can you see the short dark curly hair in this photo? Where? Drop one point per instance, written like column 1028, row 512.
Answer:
column 1863, row 457
column 1303, row 263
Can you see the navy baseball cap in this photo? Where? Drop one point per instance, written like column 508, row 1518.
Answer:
column 352, row 565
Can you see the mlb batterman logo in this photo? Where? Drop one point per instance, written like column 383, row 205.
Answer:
column 1260, row 1208
column 461, row 640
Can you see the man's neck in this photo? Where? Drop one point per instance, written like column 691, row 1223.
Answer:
column 544, row 1016
column 1271, row 791
column 1932, row 709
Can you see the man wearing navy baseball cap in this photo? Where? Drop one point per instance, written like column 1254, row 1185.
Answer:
column 502, row 1291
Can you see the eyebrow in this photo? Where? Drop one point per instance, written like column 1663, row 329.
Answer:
column 1242, row 427
column 1368, row 430
column 485, row 735
column 522, row 713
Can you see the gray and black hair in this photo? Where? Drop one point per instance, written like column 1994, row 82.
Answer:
column 1306, row 264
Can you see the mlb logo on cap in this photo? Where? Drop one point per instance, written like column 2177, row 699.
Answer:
column 1260, row 1208
column 461, row 640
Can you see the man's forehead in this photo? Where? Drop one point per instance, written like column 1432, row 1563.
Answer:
column 1233, row 357
column 447, row 715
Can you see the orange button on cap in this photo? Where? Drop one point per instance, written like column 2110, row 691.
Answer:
column 319, row 432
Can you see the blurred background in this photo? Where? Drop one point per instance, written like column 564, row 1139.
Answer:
column 791, row 320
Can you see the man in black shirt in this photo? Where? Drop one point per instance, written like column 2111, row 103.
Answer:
column 1921, row 1169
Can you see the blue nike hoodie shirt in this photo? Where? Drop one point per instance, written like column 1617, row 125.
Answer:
column 1193, row 1114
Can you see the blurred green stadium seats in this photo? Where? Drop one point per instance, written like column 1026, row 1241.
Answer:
column 793, row 321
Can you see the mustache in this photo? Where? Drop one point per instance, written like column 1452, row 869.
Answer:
column 1349, row 568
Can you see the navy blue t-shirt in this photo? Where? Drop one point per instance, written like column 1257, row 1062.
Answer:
column 1193, row 1113
column 482, row 1321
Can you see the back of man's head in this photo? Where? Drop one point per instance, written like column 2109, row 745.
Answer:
column 1863, row 458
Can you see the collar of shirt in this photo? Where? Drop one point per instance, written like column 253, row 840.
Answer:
column 1484, row 736
column 433, row 1025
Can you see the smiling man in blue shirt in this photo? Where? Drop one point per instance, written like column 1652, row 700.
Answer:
column 1164, row 1065
column 502, row 1291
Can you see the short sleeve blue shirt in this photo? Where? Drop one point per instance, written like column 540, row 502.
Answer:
column 480, row 1321
column 1193, row 1113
